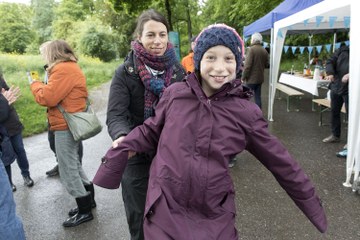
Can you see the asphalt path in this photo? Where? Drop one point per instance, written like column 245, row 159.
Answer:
column 264, row 211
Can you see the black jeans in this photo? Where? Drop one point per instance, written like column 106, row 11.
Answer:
column 337, row 102
column 22, row 160
column 134, row 185
column 257, row 92
column 51, row 138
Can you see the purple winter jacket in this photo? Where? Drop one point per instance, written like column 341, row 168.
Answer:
column 190, row 193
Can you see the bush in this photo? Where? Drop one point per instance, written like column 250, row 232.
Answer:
column 98, row 44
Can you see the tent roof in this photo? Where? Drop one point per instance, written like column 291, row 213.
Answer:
column 284, row 9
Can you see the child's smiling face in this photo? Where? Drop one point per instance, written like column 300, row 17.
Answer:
column 217, row 67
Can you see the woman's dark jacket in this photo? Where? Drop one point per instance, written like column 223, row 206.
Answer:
column 338, row 65
column 8, row 154
column 12, row 124
column 126, row 99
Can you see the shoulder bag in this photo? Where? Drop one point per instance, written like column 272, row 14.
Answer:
column 82, row 125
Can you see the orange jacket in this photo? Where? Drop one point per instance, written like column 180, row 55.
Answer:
column 66, row 86
column 188, row 62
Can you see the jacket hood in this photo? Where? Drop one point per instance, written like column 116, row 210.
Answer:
column 233, row 88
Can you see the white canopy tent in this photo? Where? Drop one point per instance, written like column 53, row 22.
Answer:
column 326, row 15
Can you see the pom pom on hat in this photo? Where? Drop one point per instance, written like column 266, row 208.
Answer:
column 218, row 34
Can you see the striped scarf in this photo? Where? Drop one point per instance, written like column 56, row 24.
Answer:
column 154, row 85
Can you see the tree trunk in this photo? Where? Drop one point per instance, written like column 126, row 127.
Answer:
column 188, row 20
column 168, row 10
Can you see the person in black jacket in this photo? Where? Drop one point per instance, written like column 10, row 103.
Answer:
column 135, row 90
column 11, row 226
column 13, row 128
column 337, row 66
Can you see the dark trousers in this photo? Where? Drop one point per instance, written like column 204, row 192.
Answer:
column 337, row 102
column 51, row 139
column 22, row 160
column 257, row 92
column 134, row 185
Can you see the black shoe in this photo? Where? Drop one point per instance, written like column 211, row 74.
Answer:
column 13, row 187
column 84, row 214
column 53, row 172
column 89, row 188
column 28, row 181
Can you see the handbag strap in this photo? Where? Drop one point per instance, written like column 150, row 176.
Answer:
column 62, row 110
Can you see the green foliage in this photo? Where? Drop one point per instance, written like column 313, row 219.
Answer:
column 121, row 24
column 42, row 19
column 239, row 13
column 98, row 44
column 32, row 115
column 130, row 6
column 15, row 31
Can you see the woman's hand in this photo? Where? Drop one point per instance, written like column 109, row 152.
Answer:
column 116, row 143
column 345, row 78
column 12, row 94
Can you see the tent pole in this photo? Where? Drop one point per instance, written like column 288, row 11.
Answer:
column 271, row 85
column 334, row 42
column 310, row 37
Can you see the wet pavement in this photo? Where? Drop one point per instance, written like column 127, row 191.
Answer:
column 264, row 211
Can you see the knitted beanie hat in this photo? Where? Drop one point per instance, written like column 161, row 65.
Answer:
column 218, row 34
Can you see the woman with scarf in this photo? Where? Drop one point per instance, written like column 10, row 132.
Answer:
column 136, row 88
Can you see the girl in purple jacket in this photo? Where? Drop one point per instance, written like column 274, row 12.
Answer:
column 199, row 125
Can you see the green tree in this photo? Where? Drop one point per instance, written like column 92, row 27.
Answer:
column 15, row 27
column 43, row 18
column 67, row 17
column 98, row 43
column 236, row 13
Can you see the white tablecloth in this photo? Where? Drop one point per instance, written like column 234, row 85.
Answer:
column 305, row 84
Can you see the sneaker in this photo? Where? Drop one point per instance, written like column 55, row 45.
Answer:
column 342, row 153
column 331, row 139
column 28, row 181
column 13, row 187
column 53, row 172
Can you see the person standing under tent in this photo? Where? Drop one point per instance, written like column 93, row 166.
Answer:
column 257, row 59
column 337, row 66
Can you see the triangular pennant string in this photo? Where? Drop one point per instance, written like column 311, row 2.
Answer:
column 319, row 48
column 318, row 20
column 310, row 49
column 293, row 49
column 286, row 48
column 337, row 45
column 332, row 20
column 328, row 47
column 301, row 49
column 347, row 22
column 306, row 22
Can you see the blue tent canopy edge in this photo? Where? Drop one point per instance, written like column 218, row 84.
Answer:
column 283, row 10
